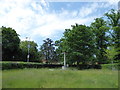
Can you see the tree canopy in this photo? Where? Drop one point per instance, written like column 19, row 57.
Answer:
column 100, row 29
column 48, row 51
column 114, row 23
column 33, row 51
column 10, row 43
column 78, row 43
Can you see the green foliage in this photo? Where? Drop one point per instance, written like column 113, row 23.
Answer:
column 114, row 66
column 33, row 51
column 10, row 43
column 0, row 36
column 78, row 43
column 111, row 52
column 88, row 44
column 114, row 22
column 22, row 65
column 113, row 17
column 56, row 78
column 61, row 47
column 100, row 29
column 47, row 51
column 116, row 40
column 0, row 44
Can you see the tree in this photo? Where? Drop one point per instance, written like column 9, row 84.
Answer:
column 78, row 43
column 111, row 52
column 0, row 44
column 10, row 43
column 114, row 24
column 113, row 17
column 34, row 55
column 99, row 27
column 48, row 51
column 61, row 47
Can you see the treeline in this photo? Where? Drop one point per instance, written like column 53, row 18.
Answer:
column 95, row 44
column 13, row 49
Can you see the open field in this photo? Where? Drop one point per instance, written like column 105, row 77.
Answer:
column 56, row 78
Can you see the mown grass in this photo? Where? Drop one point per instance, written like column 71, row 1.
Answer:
column 56, row 78
column 0, row 78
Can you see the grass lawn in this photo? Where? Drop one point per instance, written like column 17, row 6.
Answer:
column 56, row 78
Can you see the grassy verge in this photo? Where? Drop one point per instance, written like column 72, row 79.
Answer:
column 56, row 78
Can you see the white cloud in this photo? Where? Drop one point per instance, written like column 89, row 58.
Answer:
column 55, row 24
column 95, row 7
column 88, row 9
column 112, row 2
column 18, row 14
column 44, row 3
column 29, row 18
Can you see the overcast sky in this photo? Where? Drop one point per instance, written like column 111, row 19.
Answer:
column 40, row 19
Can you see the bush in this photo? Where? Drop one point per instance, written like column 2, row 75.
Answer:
column 21, row 65
column 114, row 66
column 87, row 66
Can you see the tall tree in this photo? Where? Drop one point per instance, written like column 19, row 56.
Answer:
column 10, row 43
column 99, row 27
column 78, row 43
column 114, row 23
column 48, row 50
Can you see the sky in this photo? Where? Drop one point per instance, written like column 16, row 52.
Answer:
column 41, row 19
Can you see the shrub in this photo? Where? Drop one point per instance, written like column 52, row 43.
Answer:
column 21, row 65
column 87, row 66
column 115, row 66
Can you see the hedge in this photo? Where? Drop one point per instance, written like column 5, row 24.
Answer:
column 87, row 66
column 115, row 66
column 21, row 65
